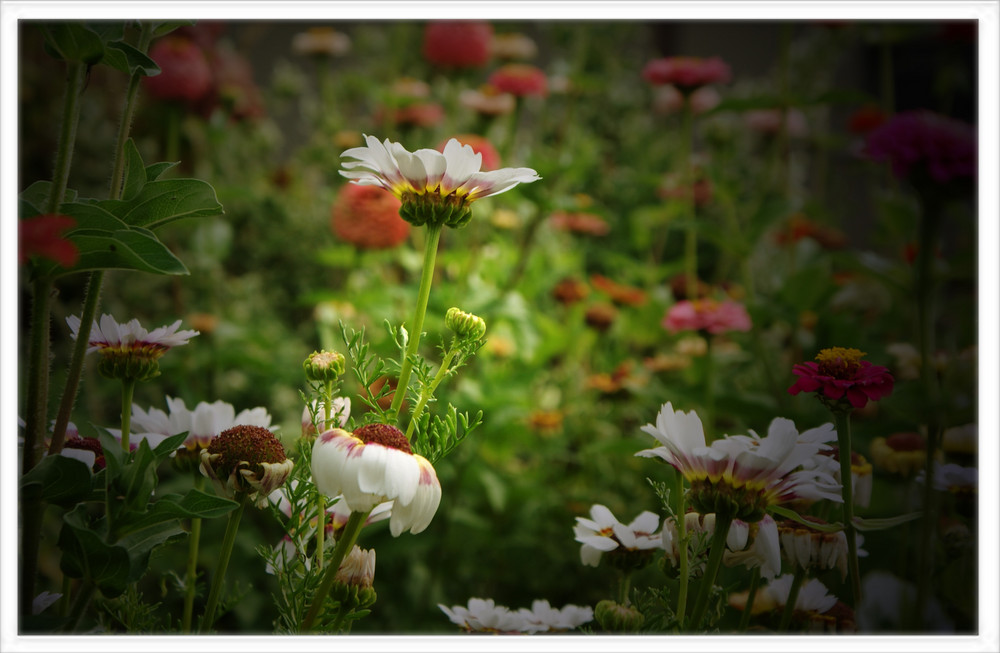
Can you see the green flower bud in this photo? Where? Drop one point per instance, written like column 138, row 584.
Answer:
column 324, row 366
column 465, row 325
column 618, row 618
column 128, row 366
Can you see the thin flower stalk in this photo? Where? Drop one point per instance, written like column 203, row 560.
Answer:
column 690, row 234
column 682, row 548
column 191, row 572
column 793, row 597
column 428, row 392
column 346, row 542
column 751, row 597
column 228, row 540
column 423, row 294
column 718, row 547
column 843, row 419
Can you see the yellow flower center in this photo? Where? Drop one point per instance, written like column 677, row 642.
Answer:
column 839, row 362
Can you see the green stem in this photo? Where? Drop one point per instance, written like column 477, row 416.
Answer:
column 344, row 545
column 93, row 293
column 687, row 195
column 718, row 547
column 320, row 499
column 709, row 418
column 924, row 280
column 426, row 280
column 75, row 79
column 208, row 620
column 793, row 597
column 624, row 587
column 191, row 577
column 128, row 389
column 843, row 420
column 428, row 392
column 748, row 608
column 64, row 602
column 83, row 596
column 682, row 548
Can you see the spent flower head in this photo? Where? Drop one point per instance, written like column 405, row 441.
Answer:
column 246, row 459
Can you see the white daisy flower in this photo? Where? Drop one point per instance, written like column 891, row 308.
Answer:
column 542, row 617
column 483, row 615
column 604, row 533
column 754, row 545
column 373, row 465
column 128, row 351
column 813, row 595
column 949, row 477
column 433, row 186
column 813, row 549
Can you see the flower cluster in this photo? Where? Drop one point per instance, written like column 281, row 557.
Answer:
column 485, row 616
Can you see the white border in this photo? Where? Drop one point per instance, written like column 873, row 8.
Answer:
column 989, row 275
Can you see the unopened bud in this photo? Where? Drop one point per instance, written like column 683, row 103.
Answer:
column 324, row 366
column 465, row 325
column 618, row 618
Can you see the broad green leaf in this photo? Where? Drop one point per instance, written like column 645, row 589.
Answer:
column 113, row 454
column 154, row 170
column 163, row 201
column 135, row 171
column 87, row 556
column 163, row 28
column 91, row 217
column 73, row 41
column 882, row 523
column 127, row 249
column 172, row 507
column 36, row 197
column 140, row 543
column 122, row 56
column 138, row 479
column 796, row 517
column 60, row 480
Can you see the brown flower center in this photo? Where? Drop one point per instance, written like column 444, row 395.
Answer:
column 384, row 434
column 839, row 362
column 252, row 444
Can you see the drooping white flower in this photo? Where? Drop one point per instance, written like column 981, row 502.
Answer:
column 374, row 465
column 427, row 181
column 604, row 533
column 754, row 545
column 542, row 617
column 483, row 615
column 743, row 474
column 813, row 595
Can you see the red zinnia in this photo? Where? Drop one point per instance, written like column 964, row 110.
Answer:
column 459, row 44
column 686, row 73
column 946, row 147
column 368, row 217
column 520, row 79
column 840, row 373
column 184, row 71
column 42, row 236
column 479, row 145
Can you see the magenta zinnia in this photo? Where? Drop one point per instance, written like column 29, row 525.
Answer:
column 839, row 373
column 913, row 140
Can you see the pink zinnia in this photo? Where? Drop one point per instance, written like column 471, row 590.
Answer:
column 686, row 73
column 520, row 79
column 368, row 217
column 458, row 44
column 707, row 315
column 42, row 236
column 841, row 373
column 946, row 147
column 184, row 71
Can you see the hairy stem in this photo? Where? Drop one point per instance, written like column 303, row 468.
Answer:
column 191, row 576
column 718, row 547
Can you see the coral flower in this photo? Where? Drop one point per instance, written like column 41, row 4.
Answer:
column 619, row 293
column 925, row 141
column 743, row 475
column 41, row 235
column 707, row 315
column 373, row 465
column 520, row 80
column 589, row 224
column 185, row 73
column 840, row 373
column 433, row 186
column 368, row 218
column 686, row 73
column 479, row 145
column 458, row 44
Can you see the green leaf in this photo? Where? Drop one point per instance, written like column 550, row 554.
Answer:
column 139, row 544
column 163, row 28
column 883, row 523
column 169, row 446
column 35, row 198
column 135, row 171
column 90, row 216
column 796, row 517
column 171, row 507
column 138, row 479
column 125, row 249
column 163, row 201
column 154, row 170
column 73, row 41
column 122, row 56
column 112, row 448
column 87, row 556
column 60, row 480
